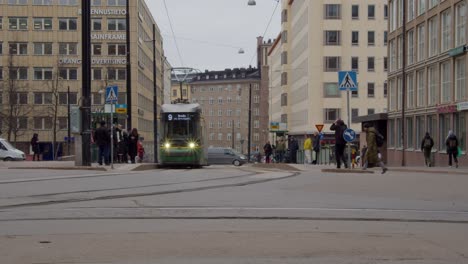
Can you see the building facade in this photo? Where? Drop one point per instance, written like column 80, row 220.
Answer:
column 427, row 77
column 319, row 39
column 224, row 98
column 40, row 59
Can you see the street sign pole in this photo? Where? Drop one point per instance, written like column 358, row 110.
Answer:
column 347, row 81
column 349, row 124
column 112, row 136
column 112, row 97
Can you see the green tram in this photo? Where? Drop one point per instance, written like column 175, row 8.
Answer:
column 182, row 127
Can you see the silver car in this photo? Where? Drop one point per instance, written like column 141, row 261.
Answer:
column 225, row 156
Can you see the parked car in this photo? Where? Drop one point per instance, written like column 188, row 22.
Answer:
column 10, row 153
column 225, row 156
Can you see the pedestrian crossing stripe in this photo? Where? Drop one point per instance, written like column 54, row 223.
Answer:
column 347, row 82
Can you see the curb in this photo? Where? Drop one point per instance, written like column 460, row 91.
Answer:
column 429, row 171
column 347, row 171
column 59, row 168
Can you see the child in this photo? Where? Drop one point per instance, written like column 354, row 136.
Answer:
column 141, row 151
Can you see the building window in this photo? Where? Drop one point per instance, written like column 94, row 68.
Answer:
column 211, row 100
column 332, row 37
column 256, row 99
column 433, row 3
column 117, row 49
column 385, row 38
column 62, row 123
column 284, row 39
column 63, row 98
column 421, row 42
column 420, row 131
column 355, row 11
column 284, row 99
column 18, row 73
column 256, row 123
column 284, row 78
column 460, row 78
column 211, row 134
column 220, row 124
column 411, row 10
column 385, row 64
column 354, row 113
column 1, row 78
column 444, row 127
column 42, row 2
column 18, row 23
column 400, row 51
column 370, row 38
column 331, row 114
column 355, row 94
column 421, row 84
column 96, row 3
column 460, row 20
column 331, row 90
column 68, row 73
column 446, row 81
column 432, row 81
column 117, row 74
column 446, row 42
column 421, row 7
column 371, row 90
column 371, row 12
column 256, row 137
column 116, row 24
column 385, row 13
column 393, row 15
column 43, row 98
column 42, row 23
column 284, row 118
column 460, row 129
column 332, row 11
column 332, row 64
column 43, row 48
column 409, row 133
column 96, row 99
column 42, row 74
column 284, row 57
column 96, row 74
column 19, row 48
column 391, row 133
column 355, row 64
column 116, row 2
column 96, row 49
column 284, row 16
column 370, row 111
column 1, row 23
column 410, row 89
column 42, row 123
column 220, row 100
column 355, row 38
column 410, row 47
column 385, row 89
column 68, row 2
column 68, row 24
column 399, row 92
column 399, row 133
column 392, row 50
column 433, row 36
column 211, row 112
column 370, row 64
column 68, row 49
column 96, row 24
column 220, row 112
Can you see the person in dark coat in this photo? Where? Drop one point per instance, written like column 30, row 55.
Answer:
column 268, row 149
column 123, row 148
column 133, row 144
column 293, row 148
column 452, row 148
column 371, row 157
column 35, row 147
column 316, row 147
column 103, row 141
column 426, row 147
column 340, row 144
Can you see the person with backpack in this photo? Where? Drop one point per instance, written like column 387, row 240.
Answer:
column 268, row 150
column 452, row 148
column 340, row 144
column 426, row 147
column 371, row 157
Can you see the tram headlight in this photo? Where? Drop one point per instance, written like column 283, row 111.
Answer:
column 192, row 145
column 167, row 145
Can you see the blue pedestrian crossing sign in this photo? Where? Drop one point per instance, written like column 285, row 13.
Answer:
column 112, row 94
column 349, row 135
column 347, row 81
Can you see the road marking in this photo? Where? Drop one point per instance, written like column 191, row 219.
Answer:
column 63, row 177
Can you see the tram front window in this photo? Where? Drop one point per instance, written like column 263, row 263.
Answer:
column 179, row 132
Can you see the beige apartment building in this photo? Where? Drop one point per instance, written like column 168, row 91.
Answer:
column 224, row 98
column 40, row 58
column 431, row 69
column 318, row 39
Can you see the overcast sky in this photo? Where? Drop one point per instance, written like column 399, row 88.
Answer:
column 210, row 32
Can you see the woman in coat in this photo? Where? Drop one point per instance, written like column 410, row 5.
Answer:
column 372, row 154
column 133, row 144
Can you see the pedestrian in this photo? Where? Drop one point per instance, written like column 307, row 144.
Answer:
column 426, row 147
column 141, row 152
column 452, row 148
column 281, row 149
column 35, row 147
column 371, row 157
column 316, row 147
column 340, row 144
column 268, row 150
column 307, row 150
column 363, row 155
column 133, row 145
column 103, row 140
column 293, row 148
column 123, row 148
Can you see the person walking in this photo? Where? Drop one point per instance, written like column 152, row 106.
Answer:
column 293, row 148
column 372, row 154
column 123, row 148
column 35, row 147
column 133, row 145
column 307, row 150
column 103, row 140
column 281, row 149
column 426, row 147
column 340, row 144
column 452, row 148
column 268, row 150
column 316, row 147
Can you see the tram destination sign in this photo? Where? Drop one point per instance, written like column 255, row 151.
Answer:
column 179, row 117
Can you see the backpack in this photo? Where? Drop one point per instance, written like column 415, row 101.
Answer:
column 427, row 143
column 379, row 138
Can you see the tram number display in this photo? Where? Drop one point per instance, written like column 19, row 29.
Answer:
column 179, row 117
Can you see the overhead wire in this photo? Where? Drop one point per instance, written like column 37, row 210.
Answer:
column 173, row 34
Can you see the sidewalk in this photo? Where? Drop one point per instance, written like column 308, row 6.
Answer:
column 70, row 165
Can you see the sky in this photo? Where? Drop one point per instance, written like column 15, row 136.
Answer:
column 209, row 33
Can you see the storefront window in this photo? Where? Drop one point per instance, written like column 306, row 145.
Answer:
column 409, row 133
column 420, row 131
column 391, row 133
column 432, row 128
column 399, row 132
column 444, row 128
column 460, row 129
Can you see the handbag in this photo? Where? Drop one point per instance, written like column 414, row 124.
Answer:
column 459, row 152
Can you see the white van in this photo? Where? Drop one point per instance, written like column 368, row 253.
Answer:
column 9, row 153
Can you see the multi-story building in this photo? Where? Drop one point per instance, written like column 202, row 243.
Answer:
column 427, row 77
column 264, row 69
column 180, row 86
column 40, row 58
column 224, row 98
column 318, row 39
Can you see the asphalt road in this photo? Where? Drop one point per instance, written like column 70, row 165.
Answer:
column 231, row 215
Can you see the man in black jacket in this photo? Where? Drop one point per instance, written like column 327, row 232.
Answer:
column 103, row 140
column 340, row 144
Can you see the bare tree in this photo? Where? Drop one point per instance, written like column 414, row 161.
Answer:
column 55, row 109
column 16, row 106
